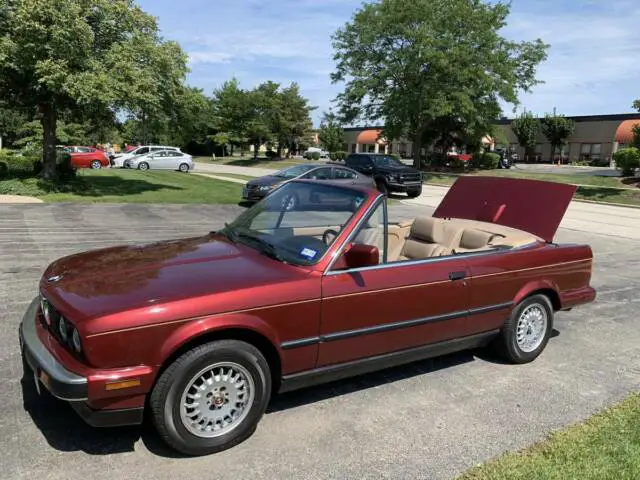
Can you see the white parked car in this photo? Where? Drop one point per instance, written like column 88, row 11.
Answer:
column 161, row 160
column 118, row 160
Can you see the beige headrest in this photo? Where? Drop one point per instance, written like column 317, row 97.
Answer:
column 475, row 238
column 427, row 229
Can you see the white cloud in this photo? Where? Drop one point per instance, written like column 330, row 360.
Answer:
column 208, row 57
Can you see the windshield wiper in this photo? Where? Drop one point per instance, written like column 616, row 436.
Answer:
column 266, row 247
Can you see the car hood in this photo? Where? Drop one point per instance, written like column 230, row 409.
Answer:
column 266, row 180
column 107, row 281
column 533, row 206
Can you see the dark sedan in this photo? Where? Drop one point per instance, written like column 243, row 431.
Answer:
column 260, row 187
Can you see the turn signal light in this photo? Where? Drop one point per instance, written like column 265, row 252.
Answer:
column 123, row 384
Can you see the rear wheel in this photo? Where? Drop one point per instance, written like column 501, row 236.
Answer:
column 143, row 166
column 95, row 164
column 212, row 397
column 527, row 331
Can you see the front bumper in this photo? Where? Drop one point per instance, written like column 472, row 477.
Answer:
column 47, row 371
column 404, row 187
column 254, row 195
column 61, row 382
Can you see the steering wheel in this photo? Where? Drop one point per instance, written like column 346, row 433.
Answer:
column 325, row 235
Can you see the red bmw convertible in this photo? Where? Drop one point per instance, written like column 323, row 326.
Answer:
column 203, row 331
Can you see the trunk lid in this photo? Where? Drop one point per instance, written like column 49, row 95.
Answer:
column 535, row 206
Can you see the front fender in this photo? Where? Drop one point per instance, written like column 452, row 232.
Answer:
column 192, row 330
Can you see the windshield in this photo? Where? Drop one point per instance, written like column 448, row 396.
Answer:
column 387, row 161
column 297, row 223
column 293, row 172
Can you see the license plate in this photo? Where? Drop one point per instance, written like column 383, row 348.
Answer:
column 412, row 183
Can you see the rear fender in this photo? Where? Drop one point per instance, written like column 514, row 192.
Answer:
column 536, row 286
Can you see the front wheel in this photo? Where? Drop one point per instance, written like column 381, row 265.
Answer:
column 143, row 166
column 212, row 397
column 184, row 168
column 527, row 331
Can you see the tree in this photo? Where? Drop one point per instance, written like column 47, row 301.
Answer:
column 10, row 122
column 231, row 114
column 65, row 54
column 294, row 118
column 412, row 64
column 557, row 129
column 526, row 128
column 331, row 134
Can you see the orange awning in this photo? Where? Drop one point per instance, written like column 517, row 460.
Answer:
column 624, row 133
column 370, row 137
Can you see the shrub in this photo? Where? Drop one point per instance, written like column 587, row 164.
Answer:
column 395, row 155
column 4, row 169
column 489, row 160
column 342, row 155
column 315, row 155
column 271, row 154
column 627, row 160
column 333, row 156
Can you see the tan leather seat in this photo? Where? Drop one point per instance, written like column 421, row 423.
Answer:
column 430, row 237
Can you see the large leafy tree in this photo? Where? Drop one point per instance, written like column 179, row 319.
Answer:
column 331, row 134
column 10, row 122
column 526, row 128
column 422, row 64
column 232, row 113
column 294, row 119
column 557, row 129
column 67, row 54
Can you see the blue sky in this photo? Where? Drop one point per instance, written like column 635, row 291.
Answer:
column 592, row 67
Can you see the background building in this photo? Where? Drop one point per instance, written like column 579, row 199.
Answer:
column 595, row 139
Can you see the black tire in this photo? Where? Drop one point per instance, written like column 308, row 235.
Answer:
column 143, row 166
column 95, row 164
column 381, row 185
column 165, row 399
column 414, row 193
column 184, row 168
column 507, row 343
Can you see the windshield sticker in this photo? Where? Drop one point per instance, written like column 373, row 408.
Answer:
column 308, row 253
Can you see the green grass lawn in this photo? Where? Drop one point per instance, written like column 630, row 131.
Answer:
column 128, row 186
column 250, row 162
column 231, row 175
column 600, row 189
column 606, row 447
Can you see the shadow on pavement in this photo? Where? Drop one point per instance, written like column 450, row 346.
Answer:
column 65, row 431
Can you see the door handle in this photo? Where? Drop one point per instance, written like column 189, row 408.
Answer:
column 453, row 276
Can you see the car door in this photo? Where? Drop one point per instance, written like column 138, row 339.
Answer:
column 393, row 306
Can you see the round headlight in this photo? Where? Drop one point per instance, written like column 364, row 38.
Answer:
column 75, row 340
column 62, row 328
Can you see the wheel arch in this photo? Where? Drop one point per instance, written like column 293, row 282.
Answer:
column 250, row 336
column 543, row 287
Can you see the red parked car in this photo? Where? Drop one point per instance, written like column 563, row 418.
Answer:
column 87, row 157
column 203, row 331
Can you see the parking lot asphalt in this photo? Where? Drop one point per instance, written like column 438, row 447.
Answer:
column 429, row 420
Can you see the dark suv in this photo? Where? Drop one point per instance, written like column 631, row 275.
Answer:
column 390, row 174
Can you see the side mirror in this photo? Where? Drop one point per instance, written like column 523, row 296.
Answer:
column 358, row 255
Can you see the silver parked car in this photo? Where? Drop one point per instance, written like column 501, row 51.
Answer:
column 161, row 160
